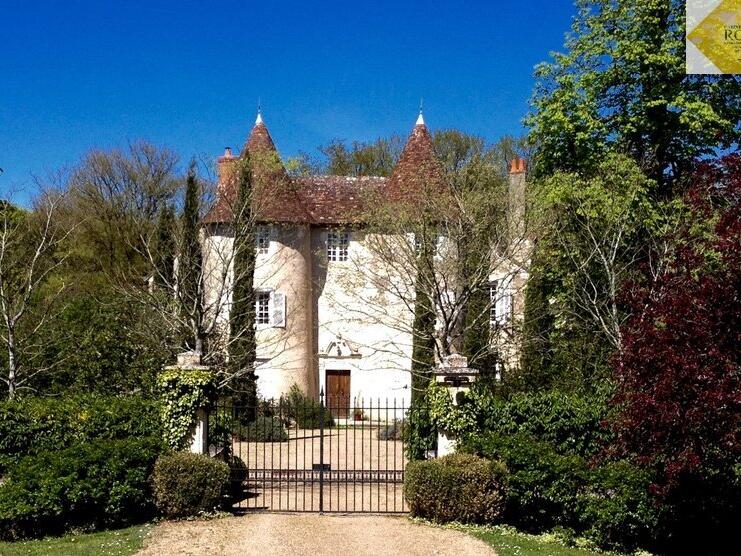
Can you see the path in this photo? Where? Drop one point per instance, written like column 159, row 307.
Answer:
column 268, row 534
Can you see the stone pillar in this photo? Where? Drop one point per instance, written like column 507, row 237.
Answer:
column 457, row 377
column 191, row 361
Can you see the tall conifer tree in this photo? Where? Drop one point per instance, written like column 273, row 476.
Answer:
column 190, row 266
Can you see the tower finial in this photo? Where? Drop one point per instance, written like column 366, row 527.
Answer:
column 420, row 118
column 258, row 120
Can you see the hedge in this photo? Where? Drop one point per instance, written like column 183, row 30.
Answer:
column 188, row 484
column 35, row 424
column 99, row 483
column 458, row 487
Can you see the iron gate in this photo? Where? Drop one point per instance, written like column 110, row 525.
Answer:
column 298, row 455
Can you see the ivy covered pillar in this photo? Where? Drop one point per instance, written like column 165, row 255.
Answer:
column 456, row 379
column 187, row 390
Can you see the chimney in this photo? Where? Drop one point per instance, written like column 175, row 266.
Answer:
column 517, row 176
column 226, row 163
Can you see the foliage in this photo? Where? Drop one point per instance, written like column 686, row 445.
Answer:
column 242, row 344
column 264, row 429
column 457, row 487
column 183, row 392
column 420, row 437
column 392, row 431
column 306, row 412
column 100, row 483
column 621, row 85
column 117, row 542
column 188, row 484
column 678, row 377
column 543, row 486
column 32, row 425
column 164, row 263
column 98, row 343
column 190, row 265
column 617, row 508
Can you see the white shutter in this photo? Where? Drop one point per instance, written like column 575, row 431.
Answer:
column 504, row 302
column 279, row 310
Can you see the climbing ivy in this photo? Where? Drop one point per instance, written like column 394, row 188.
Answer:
column 183, row 392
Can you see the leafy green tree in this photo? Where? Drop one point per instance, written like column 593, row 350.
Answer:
column 190, row 265
column 242, row 342
column 621, row 86
column 164, row 263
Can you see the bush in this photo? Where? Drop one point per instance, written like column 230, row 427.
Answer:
column 572, row 424
column 391, row 431
column 303, row 410
column 35, row 424
column 458, row 487
column 100, row 483
column 264, row 429
column 543, row 485
column 189, row 484
column 619, row 511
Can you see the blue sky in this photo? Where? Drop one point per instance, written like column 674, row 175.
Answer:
column 188, row 74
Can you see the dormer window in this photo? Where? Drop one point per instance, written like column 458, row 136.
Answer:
column 262, row 240
column 337, row 244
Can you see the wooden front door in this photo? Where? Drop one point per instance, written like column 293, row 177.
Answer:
column 338, row 393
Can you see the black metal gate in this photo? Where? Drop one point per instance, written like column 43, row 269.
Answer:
column 299, row 455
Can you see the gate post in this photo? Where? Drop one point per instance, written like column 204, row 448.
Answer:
column 321, row 451
column 457, row 377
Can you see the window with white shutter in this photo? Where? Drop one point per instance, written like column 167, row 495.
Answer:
column 500, row 296
column 262, row 307
column 279, row 310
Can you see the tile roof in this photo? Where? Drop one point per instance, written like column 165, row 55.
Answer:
column 327, row 199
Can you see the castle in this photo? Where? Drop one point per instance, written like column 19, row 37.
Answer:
column 322, row 322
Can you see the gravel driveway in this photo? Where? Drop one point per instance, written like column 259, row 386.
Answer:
column 267, row 534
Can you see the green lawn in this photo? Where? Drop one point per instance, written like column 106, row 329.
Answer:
column 120, row 542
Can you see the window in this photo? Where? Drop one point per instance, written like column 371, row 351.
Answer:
column 262, row 308
column 337, row 243
column 500, row 299
column 262, row 239
column 270, row 308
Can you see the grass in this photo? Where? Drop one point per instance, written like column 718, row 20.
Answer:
column 119, row 542
column 508, row 541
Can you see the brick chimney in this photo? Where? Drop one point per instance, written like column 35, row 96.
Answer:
column 517, row 201
column 225, row 168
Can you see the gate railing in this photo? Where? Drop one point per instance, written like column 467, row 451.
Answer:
column 307, row 456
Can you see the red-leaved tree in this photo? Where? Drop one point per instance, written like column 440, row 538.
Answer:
column 678, row 389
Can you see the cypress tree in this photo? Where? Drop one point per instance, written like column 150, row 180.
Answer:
column 242, row 342
column 423, row 328
column 164, row 256
column 190, row 266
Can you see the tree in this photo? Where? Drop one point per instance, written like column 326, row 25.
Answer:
column 164, row 263
column 621, row 86
column 190, row 288
column 243, row 344
column 29, row 254
column 678, row 379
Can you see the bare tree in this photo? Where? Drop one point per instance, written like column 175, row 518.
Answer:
column 30, row 252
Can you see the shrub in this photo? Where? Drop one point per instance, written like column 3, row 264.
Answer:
column 99, row 483
column 34, row 424
column 188, row 484
column 303, row 410
column 264, row 429
column 572, row 424
column 458, row 487
column 391, row 431
column 543, row 486
column 619, row 511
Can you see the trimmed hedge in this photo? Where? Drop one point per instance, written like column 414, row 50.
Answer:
column 189, row 484
column 458, row 487
column 611, row 504
column 572, row 424
column 34, row 424
column 100, row 483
